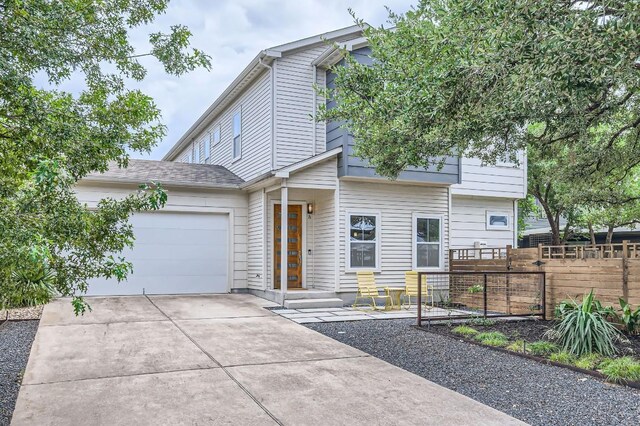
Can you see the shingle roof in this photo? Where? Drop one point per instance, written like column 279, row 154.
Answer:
column 170, row 173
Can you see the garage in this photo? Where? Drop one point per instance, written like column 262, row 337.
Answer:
column 174, row 253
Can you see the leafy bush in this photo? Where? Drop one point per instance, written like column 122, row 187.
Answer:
column 484, row 322
column 492, row 338
column 562, row 357
column 476, row 288
column 630, row 318
column 588, row 361
column 584, row 328
column 464, row 330
column 542, row 348
column 28, row 287
column 621, row 370
column 517, row 346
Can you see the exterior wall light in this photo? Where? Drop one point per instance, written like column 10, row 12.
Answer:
column 310, row 208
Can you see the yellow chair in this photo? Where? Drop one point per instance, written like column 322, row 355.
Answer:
column 368, row 290
column 411, row 289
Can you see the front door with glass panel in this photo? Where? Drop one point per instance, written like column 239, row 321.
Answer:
column 294, row 246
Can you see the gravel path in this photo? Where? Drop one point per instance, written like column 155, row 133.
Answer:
column 535, row 393
column 15, row 344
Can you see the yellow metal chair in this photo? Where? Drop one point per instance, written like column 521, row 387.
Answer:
column 411, row 289
column 367, row 290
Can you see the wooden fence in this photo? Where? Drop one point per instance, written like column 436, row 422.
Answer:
column 611, row 270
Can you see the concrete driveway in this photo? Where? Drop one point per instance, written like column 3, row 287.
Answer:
column 220, row 359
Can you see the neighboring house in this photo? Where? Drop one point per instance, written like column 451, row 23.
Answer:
column 264, row 158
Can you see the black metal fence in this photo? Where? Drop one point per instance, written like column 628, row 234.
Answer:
column 465, row 295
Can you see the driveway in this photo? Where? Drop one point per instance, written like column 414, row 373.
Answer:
column 220, row 359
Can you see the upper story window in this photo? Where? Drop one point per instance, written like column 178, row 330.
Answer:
column 363, row 241
column 214, row 136
column 427, row 242
column 196, row 152
column 237, row 135
column 207, row 149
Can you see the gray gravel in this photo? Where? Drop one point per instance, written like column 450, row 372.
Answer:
column 532, row 392
column 15, row 344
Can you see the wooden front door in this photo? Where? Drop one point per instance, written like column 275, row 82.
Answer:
column 294, row 246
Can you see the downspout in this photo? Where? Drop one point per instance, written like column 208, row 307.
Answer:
column 315, row 110
column 273, row 114
column 515, row 223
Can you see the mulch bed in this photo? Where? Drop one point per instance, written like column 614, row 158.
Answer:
column 16, row 338
column 532, row 331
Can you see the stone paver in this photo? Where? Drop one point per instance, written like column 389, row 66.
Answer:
column 349, row 313
column 218, row 360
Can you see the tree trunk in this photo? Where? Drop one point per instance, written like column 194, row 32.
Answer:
column 592, row 234
column 610, row 234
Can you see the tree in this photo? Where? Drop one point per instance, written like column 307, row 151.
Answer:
column 491, row 79
column 49, row 139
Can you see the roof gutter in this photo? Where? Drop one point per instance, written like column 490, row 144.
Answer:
column 173, row 183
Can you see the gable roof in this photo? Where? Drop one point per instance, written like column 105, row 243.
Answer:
column 248, row 74
column 169, row 173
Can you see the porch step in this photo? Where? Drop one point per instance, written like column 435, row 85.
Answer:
column 309, row 294
column 333, row 302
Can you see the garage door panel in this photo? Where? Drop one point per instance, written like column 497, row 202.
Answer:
column 174, row 253
column 168, row 221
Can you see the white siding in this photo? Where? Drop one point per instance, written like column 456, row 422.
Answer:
column 189, row 200
column 321, row 263
column 294, row 107
column 319, row 176
column 396, row 204
column 468, row 221
column 255, row 253
column 491, row 181
column 255, row 103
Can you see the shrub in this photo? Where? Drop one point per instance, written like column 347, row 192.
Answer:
column 28, row 287
column 492, row 338
column 584, row 328
column 588, row 361
column 621, row 370
column 464, row 330
column 629, row 317
column 562, row 357
column 484, row 322
column 517, row 346
column 476, row 288
column 542, row 348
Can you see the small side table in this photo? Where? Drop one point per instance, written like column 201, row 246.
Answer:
column 395, row 293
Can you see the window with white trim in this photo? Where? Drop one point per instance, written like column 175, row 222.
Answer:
column 207, row 148
column 214, row 136
column 363, row 241
column 427, row 242
column 237, row 135
column 196, row 152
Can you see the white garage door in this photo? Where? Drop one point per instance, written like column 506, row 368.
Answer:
column 174, row 253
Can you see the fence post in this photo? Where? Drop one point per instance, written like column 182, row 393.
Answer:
column 625, row 270
column 420, row 299
column 485, row 295
column 540, row 252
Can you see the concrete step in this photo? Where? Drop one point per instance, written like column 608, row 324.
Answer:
column 309, row 294
column 333, row 302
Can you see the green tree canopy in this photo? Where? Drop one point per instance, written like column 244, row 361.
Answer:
column 490, row 79
column 49, row 139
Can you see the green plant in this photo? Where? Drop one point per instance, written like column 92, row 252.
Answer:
column 588, row 361
column 584, row 328
column 476, row 288
column 542, row 348
column 465, row 331
column 28, row 287
column 629, row 317
column 484, row 322
column 562, row 357
column 517, row 346
column 621, row 370
column 492, row 338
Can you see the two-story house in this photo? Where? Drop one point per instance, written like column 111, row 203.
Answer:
column 256, row 155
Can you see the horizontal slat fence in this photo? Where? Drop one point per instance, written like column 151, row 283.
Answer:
column 613, row 273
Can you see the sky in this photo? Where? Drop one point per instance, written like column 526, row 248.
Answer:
column 233, row 32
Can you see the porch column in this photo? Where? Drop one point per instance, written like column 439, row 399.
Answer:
column 284, row 238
